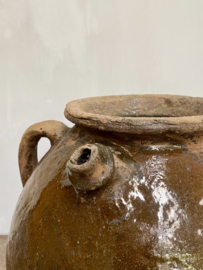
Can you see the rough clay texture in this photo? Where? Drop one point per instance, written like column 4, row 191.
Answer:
column 93, row 173
column 138, row 114
column 148, row 215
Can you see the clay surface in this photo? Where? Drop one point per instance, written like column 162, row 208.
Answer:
column 138, row 114
column 147, row 214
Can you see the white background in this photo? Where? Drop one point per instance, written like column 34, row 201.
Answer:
column 52, row 52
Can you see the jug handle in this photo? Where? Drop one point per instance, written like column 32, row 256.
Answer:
column 27, row 155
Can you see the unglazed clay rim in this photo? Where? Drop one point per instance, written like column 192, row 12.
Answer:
column 132, row 125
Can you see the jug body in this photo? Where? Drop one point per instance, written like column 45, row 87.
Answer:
column 121, row 196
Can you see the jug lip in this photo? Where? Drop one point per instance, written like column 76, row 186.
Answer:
column 138, row 114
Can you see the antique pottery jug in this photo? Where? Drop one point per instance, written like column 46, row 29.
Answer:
column 122, row 189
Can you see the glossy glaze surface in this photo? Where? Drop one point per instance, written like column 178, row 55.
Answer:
column 147, row 214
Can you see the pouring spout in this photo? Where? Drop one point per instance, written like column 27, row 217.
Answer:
column 90, row 166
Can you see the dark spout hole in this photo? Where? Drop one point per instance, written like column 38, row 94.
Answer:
column 84, row 157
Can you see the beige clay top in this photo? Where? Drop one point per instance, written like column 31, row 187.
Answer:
column 138, row 114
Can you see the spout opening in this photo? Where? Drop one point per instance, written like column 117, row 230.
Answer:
column 84, row 156
column 90, row 166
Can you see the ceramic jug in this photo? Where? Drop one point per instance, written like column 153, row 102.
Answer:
column 122, row 189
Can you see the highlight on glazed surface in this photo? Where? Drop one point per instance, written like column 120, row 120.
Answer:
column 110, row 200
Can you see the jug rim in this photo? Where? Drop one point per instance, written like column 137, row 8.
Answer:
column 138, row 114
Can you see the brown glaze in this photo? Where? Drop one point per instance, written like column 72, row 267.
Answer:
column 104, row 197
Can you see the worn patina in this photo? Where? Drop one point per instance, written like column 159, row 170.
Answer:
column 122, row 189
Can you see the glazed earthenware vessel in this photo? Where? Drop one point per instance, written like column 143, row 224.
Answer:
column 122, row 189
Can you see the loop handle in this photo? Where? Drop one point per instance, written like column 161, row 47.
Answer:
column 27, row 155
